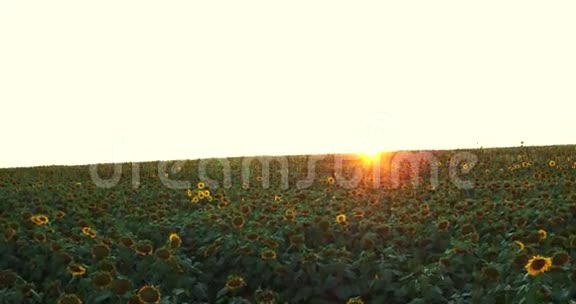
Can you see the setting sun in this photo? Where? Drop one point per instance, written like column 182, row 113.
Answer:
column 370, row 155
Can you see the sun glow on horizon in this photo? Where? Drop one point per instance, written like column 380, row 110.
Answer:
column 370, row 155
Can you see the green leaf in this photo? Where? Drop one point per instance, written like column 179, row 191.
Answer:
column 222, row 292
column 178, row 291
column 103, row 297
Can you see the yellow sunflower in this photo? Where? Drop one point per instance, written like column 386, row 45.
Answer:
column 76, row 270
column 520, row 245
column 290, row 212
column 268, row 254
column 341, row 218
column 542, row 234
column 200, row 194
column 355, row 300
column 39, row 219
column 538, row 264
column 174, row 241
column 234, row 283
column 88, row 232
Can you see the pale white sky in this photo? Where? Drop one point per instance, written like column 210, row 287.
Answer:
column 89, row 82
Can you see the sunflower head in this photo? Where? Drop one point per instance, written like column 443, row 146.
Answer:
column 271, row 243
column 76, row 269
column 39, row 219
column 144, row 248
column 252, row 237
column 521, row 245
column 100, row 251
column 268, row 254
column 87, row 231
column 538, row 264
column 200, row 194
column 27, row 289
column 444, row 262
column 69, row 299
column 101, row 279
column 358, row 214
column 355, row 300
column 341, row 218
column 265, row 296
column 54, row 246
column 8, row 278
column 127, row 241
column 324, row 224
column 238, row 222
column 163, row 254
column 560, row 259
column 490, row 273
column 290, row 212
column 542, row 234
column 234, row 283
column 107, row 266
column 121, row 286
column 9, row 233
column 245, row 209
column 40, row 237
column 443, row 225
column 174, row 241
column 149, row 294
column 467, row 229
column 297, row 239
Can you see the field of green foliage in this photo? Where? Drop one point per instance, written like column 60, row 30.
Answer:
column 474, row 226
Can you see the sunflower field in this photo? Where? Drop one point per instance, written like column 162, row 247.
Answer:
column 492, row 226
